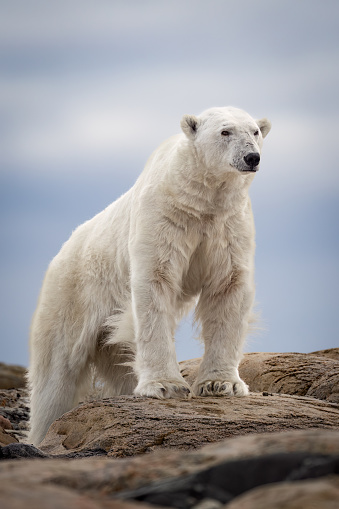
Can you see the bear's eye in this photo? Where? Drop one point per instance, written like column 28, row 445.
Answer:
column 225, row 133
column 256, row 133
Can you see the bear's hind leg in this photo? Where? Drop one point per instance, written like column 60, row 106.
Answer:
column 53, row 393
column 114, row 369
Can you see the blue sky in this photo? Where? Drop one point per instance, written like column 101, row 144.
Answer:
column 90, row 88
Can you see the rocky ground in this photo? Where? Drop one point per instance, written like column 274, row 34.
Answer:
column 14, row 415
column 278, row 448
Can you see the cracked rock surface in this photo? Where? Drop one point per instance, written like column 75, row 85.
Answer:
column 127, row 425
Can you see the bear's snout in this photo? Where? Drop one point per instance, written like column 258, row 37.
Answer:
column 252, row 160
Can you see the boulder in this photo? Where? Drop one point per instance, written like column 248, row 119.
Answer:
column 226, row 481
column 127, row 425
column 206, row 453
column 14, row 408
column 330, row 353
column 292, row 373
column 6, row 438
column 322, row 493
column 112, row 483
column 19, row 496
column 17, row 450
column 12, row 376
column 315, row 375
column 5, row 423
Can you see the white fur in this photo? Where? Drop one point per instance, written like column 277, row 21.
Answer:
column 113, row 296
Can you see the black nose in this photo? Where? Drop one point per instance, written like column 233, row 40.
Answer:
column 252, row 160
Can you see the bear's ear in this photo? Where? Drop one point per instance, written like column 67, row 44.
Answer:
column 264, row 125
column 189, row 125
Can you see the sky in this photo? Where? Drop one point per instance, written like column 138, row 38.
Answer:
column 88, row 89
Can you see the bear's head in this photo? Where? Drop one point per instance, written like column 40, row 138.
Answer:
column 226, row 139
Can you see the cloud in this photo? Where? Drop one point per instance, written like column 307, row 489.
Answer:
column 89, row 90
column 258, row 27
column 101, row 81
column 40, row 23
column 76, row 117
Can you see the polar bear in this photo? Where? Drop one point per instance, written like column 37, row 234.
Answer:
column 182, row 236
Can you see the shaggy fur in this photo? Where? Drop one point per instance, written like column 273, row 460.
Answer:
column 113, row 296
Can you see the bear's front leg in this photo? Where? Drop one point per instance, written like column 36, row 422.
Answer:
column 223, row 309
column 154, row 289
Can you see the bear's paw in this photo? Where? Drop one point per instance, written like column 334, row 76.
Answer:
column 221, row 388
column 164, row 389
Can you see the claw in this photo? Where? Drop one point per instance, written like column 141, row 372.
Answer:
column 222, row 388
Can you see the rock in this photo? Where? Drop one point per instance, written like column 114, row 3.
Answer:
column 84, row 482
column 322, row 493
column 330, row 353
column 13, row 398
column 55, row 497
column 6, row 438
column 313, row 375
column 5, row 423
column 77, row 466
column 228, row 480
column 127, row 425
column 15, row 451
column 285, row 373
column 292, row 373
column 14, row 407
column 189, row 370
column 12, row 376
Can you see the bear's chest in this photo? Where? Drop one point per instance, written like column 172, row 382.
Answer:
column 221, row 241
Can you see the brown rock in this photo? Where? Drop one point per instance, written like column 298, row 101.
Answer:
column 12, row 376
column 189, row 370
column 6, row 438
column 12, row 398
column 96, row 480
column 127, row 425
column 322, row 493
column 330, row 353
column 292, row 373
column 315, row 441
column 14, row 408
column 285, row 373
column 18, row 496
column 5, row 423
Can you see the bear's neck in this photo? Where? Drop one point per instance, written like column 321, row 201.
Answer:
column 196, row 192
